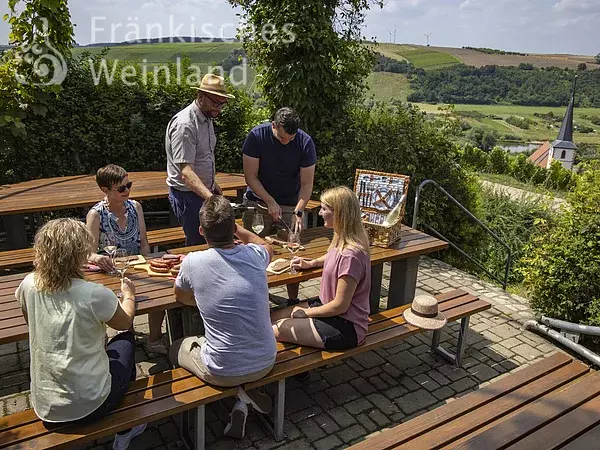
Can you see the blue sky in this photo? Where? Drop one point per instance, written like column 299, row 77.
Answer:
column 543, row 26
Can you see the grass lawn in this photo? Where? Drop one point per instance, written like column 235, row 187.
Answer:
column 426, row 58
column 384, row 86
column 198, row 52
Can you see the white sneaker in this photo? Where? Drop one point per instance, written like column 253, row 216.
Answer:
column 236, row 428
column 259, row 401
column 122, row 441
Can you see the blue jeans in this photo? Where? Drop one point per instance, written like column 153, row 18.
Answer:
column 121, row 356
column 186, row 207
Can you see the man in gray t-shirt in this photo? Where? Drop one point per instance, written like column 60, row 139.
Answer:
column 190, row 143
column 228, row 284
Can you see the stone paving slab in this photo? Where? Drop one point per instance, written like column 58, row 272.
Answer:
column 344, row 402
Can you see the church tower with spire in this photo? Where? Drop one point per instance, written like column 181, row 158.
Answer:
column 563, row 148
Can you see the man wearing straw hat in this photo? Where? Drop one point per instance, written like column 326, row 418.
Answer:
column 190, row 145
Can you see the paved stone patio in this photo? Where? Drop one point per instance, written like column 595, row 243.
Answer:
column 344, row 402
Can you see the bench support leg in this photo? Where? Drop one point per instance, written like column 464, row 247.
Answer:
column 200, row 431
column 403, row 282
column 275, row 425
column 16, row 237
column 460, row 346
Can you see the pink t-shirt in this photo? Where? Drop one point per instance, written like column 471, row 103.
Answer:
column 356, row 264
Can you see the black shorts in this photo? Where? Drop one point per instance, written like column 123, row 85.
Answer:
column 336, row 332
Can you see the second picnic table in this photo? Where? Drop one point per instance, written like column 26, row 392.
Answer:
column 52, row 194
column 154, row 293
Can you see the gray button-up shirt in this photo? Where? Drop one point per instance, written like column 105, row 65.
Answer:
column 190, row 139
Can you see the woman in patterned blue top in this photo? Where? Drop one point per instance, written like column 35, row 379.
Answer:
column 117, row 220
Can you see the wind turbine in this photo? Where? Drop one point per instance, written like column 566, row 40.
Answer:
column 427, row 34
column 390, row 36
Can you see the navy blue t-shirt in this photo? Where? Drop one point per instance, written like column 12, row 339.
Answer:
column 279, row 167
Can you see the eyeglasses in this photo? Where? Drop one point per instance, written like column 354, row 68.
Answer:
column 127, row 186
column 215, row 103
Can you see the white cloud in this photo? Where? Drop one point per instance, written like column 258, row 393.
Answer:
column 577, row 5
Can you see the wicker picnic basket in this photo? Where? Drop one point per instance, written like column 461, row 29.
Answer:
column 378, row 193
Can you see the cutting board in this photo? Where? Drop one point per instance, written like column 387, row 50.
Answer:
column 150, row 272
column 140, row 260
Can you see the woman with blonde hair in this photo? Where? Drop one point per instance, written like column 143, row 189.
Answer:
column 74, row 378
column 339, row 318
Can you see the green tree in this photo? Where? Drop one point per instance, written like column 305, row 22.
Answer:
column 562, row 268
column 40, row 29
column 310, row 56
column 597, row 59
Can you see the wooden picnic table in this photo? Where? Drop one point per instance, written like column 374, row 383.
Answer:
column 156, row 293
column 51, row 194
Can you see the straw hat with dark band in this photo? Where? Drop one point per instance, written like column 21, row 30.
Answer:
column 424, row 313
column 214, row 85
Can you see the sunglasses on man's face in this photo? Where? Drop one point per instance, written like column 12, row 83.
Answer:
column 127, row 186
column 216, row 103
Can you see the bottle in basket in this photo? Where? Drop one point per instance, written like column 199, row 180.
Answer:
column 394, row 214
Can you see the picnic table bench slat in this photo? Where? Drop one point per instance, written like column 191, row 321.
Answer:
column 563, row 429
column 510, row 428
column 489, row 415
column 586, row 441
column 464, row 405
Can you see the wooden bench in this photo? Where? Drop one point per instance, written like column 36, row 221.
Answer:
column 177, row 391
column 554, row 403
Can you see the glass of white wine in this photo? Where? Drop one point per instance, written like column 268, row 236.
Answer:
column 293, row 245
column 258, row 223
column 110, row 246
column 121, row 263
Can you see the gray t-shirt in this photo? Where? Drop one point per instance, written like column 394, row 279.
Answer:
column 190, row 139
column 232, row 294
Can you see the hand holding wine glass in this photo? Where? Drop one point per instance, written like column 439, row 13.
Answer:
column 293, row 245
column 110, row 247
column 121, row 261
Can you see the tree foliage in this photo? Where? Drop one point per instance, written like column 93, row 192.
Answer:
column 562, row 269
column 529, row 86
column 308, row 55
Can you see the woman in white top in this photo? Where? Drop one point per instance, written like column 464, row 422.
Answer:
column 74, row 378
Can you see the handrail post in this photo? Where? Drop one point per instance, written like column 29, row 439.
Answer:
column 472, row 217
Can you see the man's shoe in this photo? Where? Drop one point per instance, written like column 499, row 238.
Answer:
column 293, row 302
column 160, row 346
column 259, row 401
column 122, row 441
column 236, row 428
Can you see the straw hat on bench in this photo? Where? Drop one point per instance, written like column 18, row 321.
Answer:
column 424, row 313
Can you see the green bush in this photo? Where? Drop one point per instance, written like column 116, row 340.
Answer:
column 562, row 266
column 88, row 126
column 513, row 221
column 518, row 122
column 403, row 140
column 474, row 158
column 522, row 168
column 498, row 161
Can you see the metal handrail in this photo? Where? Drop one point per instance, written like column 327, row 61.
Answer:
column 452, row 244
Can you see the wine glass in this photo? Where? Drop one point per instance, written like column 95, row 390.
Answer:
column 258, row 223
column 109, row 242
column 121, row 263
column 293, row 245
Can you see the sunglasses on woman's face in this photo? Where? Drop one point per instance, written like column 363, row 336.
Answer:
column 127, row 186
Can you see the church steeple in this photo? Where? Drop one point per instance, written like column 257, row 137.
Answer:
column 565, row 135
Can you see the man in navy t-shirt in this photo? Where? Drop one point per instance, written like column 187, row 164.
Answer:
column 279, row 166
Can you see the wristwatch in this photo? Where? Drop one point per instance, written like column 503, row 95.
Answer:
column 298, row 213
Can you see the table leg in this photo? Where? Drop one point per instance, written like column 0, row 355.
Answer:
column 175, row 325
column 403, row 281
column 375, row 296
column 240, row 195
column 16, row 237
